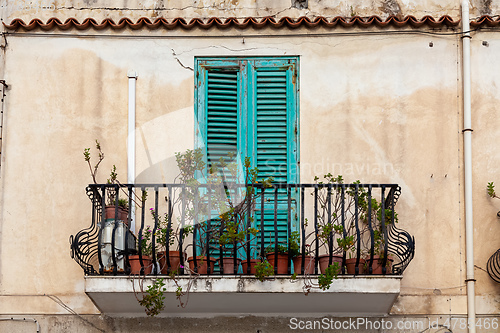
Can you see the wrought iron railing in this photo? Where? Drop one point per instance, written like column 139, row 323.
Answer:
column 352, row 224
column 493, row 266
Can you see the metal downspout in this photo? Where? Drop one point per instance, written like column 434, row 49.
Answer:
column 132, row 77
column 467, row 132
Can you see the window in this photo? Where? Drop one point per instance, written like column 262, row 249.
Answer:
column 249, row 106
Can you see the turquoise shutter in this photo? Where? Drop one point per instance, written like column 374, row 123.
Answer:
column 222, row 126
column 222, row 115
column 273, row 137
column 249, row 106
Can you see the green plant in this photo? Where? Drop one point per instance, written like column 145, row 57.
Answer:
column 166, row 232
column 379, row 217
column 154, row 299
column 263, row 270
column 93, row 169
column 375, row 211
column 326, row 279
column 281, row 249
column 123, row 203
column 221, row 208
column 347, row 244
column 113, row 178
column 144, row 243
column 189, row 163
column 295, row 242
column 353, row 12
column 490, row 188
column 236, row 220
column 491, row 192
column 335, row 213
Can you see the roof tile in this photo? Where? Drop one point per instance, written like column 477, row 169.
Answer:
column 249, row 22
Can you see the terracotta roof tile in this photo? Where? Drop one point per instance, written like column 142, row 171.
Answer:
column 249, row 22
column 485, row 20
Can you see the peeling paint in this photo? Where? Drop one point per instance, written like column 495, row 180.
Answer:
column 391, row 7
column 485, row 7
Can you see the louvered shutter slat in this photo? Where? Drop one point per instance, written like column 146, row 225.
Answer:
column 222, row 114
column 271, row 144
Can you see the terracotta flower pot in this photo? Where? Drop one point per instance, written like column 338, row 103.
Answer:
column 228, row 265
column 324, row 260
column 135, row 264
column 282, row 262
column 244, row 266
column 377, row 265
column 175, row 261
column 308, row 265
column 122, row 213
column 201, row 263
column 351, row 266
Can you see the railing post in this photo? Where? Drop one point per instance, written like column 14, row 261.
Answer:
column 316, row 231
column 140, row 239
column 183, row 223
column 384, row 231
column 344, row 231
column 289, row 222
column 101, row 228
column 330, row 235
column 302, row 238
column 370, row 228
column 262, row 197
column 275, row 229
column 168, row 199
column 195, row 230
column 358, row 234
column 153, row 237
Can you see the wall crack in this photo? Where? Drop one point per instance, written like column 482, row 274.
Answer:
column 180, row 63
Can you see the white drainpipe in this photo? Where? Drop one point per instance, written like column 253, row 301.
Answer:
column 132, row 77
column 467, row 131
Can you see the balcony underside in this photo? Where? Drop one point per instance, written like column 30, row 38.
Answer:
column 230, row 295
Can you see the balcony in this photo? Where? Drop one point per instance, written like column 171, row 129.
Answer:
column 222, row 232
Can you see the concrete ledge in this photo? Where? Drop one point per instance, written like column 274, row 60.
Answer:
column 236, row 295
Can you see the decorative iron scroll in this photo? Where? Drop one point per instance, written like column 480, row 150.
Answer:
column 84, row 244
column 400, row 242
column 493, row 266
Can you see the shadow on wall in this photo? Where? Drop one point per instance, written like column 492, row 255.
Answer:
column 157, row 142
column 165, row 170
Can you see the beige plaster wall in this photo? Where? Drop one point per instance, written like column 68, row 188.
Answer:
column 383, row 108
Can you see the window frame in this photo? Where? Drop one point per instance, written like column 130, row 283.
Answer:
column 247, row 68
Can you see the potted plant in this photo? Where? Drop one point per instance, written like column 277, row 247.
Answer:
column 142, row 263
column 248, row 265
column 236, row 207
column 376, row 263
column 110, row 209
column 303, row 262
column 333, row 206
column 381, row 218
column 263, row 269
column 221, row 208
column 193, row 200
column 353, row 261
column 278, row 257
column 167, row 236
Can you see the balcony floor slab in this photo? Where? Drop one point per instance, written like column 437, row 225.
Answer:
column 237, row 295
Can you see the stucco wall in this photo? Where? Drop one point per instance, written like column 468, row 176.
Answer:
column 101, row 9
column 380, row 108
